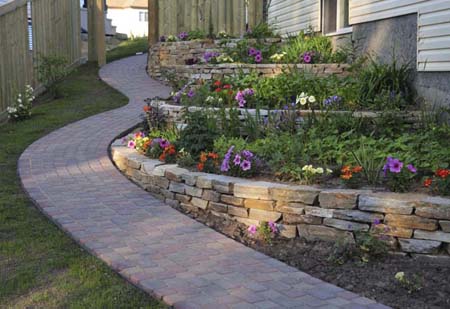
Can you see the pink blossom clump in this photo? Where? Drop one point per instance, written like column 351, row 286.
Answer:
column 252, row 229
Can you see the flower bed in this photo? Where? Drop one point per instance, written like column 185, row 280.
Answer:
column 412, row 223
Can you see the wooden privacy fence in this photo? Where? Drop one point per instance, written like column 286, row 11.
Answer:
column 175, row 16
column 55, row 30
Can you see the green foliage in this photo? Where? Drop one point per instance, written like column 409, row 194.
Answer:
column 128, row 48
column 200, row 133
column 370, row 163
column 382, row 86
column 197, row 35
column 261, row 31
column 371, row 246
column 52, row 69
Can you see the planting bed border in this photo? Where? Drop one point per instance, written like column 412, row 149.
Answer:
column 170, row 57
column 411, row 223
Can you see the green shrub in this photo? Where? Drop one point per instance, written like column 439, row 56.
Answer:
column 199, row 134
column 52, row 69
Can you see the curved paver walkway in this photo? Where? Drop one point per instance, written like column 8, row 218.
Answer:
column 71, row 179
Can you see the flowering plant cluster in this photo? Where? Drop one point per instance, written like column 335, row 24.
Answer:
column 266, row 230
column 278, row 57
column 242, row 96
column 154, row 116
column 398, row 177
column 256, row 54
column 208, row 162
column 183, row 36
column 440, row 182
column 210, row 56
column 351, row 176
column 308, row 57
column 303, row 99
column 21, row 108
column 223, row 92
column 243, row 163
column 332, row 102
column 138, row 141
column 310, row 174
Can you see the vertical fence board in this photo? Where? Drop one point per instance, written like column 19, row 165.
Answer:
column 56, row 30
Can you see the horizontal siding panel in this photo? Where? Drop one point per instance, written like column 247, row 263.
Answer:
column 436, row 18
column 441, row 55
column 434, row 67
column 433, row 43
column 292, row 16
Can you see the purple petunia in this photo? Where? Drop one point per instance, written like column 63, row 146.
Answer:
column 246, row 165
column 183, row 35
column 307, row 58
column 249, row 92
column 207, row 56
column 225, row 167
column 273, row 227
column 252, row 51
column 191, row 93
column 162, row 38
column 237, row 160
column 258, row 58
column 131, row 144
column 392, row 165
column 163, row 143
column 247, row 154
column 376, row 222
column 411, row 168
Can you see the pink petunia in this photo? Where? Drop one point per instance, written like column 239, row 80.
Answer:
column 252, row 229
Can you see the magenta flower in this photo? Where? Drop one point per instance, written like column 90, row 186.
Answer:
column 252, row 51
column 258, row 58
column 191, row 93
column 307, row 58
column 131, row 144
column 411, row 168
column 395, row 166
column 249, row 92
column 252, row 229
column 164, row 143
column 246, row 165
column 237, row 160
column 273, row 227
column 183, row 35
column 247, row 154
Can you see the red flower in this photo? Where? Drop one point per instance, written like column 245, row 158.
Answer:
column 147, row 108
column 218, row 90
column 227, row 86
column 443, row 173
column 427, row 182
column 217, row 83
column 200, row 166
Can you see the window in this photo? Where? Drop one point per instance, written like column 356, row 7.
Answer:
column 143, row 16
column 335, row 16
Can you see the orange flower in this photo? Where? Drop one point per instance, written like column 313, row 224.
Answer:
column 357, row 169
column 345, row 169
column 200, row 166
column 213, row 155
column 172, row 151
column 443, row 173
column 162, row 157
column 347, row 176
column 427, row 182
column 147, row 108
column 203, row 157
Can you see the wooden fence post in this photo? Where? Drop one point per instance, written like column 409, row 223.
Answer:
column 153, row 21
column 96, row 32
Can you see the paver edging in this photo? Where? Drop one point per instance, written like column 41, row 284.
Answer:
column 411, row 223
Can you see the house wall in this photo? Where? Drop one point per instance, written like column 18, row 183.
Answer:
column 292, row 16
column 127, row 21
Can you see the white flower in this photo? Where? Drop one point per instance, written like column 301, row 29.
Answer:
column 303, row 101
column 312, row 99
column 329, row 171
column 318, row 170
column 400, row 276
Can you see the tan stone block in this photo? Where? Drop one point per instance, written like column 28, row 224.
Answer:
column 391, row 230
column 419, row 246
column 300, row 219
column 211, row 195
column 385, row 203
column 303, row 194
column 324, row 233
column 247, row 221
column 290, row 208
column 338, row 199
column 185, row 199
column 437, row 235
column 176, row 187
column 445, row 226
column 434, row 207
column 259, row 204
column 197, row 202
column 263, row 215
column 175, row 173
column 287, row 231
column 345, row 225
column 253, row 190
column 319, row 212
column 232, row 200
column 193, row 191
column 356, row 215
column 238, row 211
column 412, row 222
column 218, row 207
column 161, row 182
column 167, row 194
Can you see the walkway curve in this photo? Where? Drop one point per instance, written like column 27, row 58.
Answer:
column 70, row 177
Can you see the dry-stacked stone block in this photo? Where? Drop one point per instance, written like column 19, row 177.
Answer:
column 412, row 223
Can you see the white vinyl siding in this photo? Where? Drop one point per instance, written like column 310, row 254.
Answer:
column 292, row 16
column 433, row 46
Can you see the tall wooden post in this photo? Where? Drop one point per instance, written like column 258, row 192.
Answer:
column 153, row 22
column 100, row 32
column 96, row 32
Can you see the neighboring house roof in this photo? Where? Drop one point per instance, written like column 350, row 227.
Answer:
column 123, row 4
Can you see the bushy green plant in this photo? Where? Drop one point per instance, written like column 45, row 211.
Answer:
column 261, row 31
column 197, row 35
column 199, row 134
column 52, row 69
column 20, row 109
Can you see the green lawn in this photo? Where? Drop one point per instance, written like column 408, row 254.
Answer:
column 127, row 48
column 39, row 265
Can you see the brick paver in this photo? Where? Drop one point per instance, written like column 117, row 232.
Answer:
column 70, row 177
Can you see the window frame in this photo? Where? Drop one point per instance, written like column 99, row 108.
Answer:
column 341, row 28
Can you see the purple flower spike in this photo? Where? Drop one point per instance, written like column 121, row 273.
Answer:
column 411, row 168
